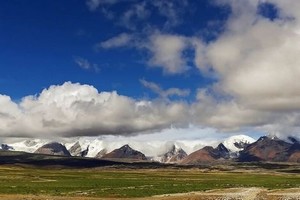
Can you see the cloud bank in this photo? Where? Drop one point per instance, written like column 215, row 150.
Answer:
column 72, row 109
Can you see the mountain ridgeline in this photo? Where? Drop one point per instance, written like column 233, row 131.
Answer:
column 233, row 149
column 125, row 152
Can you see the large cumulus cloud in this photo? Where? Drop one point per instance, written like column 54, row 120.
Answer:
column 73, row 109
column 256, row 60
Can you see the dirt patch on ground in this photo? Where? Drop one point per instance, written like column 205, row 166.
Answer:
column 235, row 194
column 227, row 194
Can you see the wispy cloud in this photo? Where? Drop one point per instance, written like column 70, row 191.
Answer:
column 94, row 4
column 166, row 51
column 85, row 64
column 165, row 93
column 120, row 40
column 171, row 10
column 136, row 13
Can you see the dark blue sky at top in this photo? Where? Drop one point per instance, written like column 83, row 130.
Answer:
column 39, row 41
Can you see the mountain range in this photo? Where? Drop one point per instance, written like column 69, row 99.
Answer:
column 240, row 148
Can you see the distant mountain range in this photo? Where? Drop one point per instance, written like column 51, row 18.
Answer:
column 236, row 148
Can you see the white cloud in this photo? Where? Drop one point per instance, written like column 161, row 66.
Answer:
column 257, row 64
column 120, row 40
column 167, row 52
column 74, row 109
column 165, row 93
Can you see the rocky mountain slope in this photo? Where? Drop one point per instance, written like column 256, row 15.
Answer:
column 125, row 152
column 207, row 154
column 270, row 149
column 53, row 148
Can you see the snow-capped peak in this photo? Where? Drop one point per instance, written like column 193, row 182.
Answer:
column 175, row 154
column 29, row 145
column 237, row 143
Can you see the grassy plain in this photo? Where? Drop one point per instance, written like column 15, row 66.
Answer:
column 121, row 183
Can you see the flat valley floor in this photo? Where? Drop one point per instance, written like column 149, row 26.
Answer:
column 220, row 183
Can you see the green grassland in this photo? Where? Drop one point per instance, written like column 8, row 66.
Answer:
column 107, row 182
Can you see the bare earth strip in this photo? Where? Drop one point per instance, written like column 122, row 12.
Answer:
column 227, row 194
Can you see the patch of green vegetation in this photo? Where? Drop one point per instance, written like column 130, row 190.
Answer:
column 131, row 183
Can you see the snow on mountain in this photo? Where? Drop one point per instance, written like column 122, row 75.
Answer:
column 6, row 147
column 101, row 153
column 173, row 155
column 78, row 147
column 90, row 147
column 29, row 145
column 237, row 143
column 155, row 149
column 95, row 147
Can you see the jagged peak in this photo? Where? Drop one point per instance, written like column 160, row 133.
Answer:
column 272, row 136
column 237, row 143
column 221, row 147
column 208, row 148
column 268, row 137
column 53, row 148
column 175, row 148
column 263, row 138
column 126, row 146
column 53, row 144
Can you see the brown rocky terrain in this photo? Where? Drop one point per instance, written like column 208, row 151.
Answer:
column 206, row 155
column 53, row 149
column 125, row 152
column 270, row 149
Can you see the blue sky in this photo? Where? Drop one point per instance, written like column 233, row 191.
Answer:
column 40, row 42
column 127, row 67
